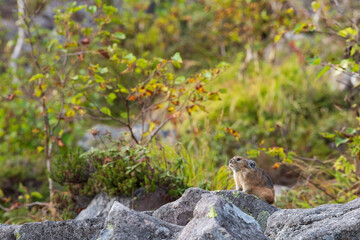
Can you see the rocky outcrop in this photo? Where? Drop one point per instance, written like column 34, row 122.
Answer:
column 71, row 229
column 329, row 221
column 141, row 201
column 199, row 214
column 123, row 223
column 180, row 212
column 216, row 218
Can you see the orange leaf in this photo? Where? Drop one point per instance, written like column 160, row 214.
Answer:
column 276, row 165
column 11, row 96
column 200, row 88
column 94, row 132
column 102, row 85
column 191, row 80
column 131, row 98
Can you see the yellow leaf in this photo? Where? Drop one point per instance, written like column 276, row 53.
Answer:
column 39, row 149
column 35, row 130
column 171, row 109
column 152, row 127
column 70, row 113
column 278, row 36
column 61, row 132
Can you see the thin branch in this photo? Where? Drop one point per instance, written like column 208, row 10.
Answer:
column 25, row 205
column 20, row 40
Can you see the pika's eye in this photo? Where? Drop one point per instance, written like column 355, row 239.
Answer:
column 238, row 159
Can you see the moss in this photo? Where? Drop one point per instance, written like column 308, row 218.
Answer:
column 18, row 236
column 236, row 194
column 212, row 213
column 262, row 218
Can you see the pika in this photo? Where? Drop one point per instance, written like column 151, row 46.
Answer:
column 251, row 179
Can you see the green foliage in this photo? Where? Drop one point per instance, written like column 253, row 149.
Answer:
column 116, row 171
column 142, row 66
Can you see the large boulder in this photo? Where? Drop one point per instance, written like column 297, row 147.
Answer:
column 141, row 201
column 71, row 229
column 101, row 205
column 216, row 218
column 329, row 221
column 7, row 231
column 124, row 223
column 180, row 212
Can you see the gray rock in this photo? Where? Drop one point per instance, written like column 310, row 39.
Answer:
column 62, row 230
column 216, row 218
column 141, row 201
column 7, row 231
column 101, row 205
column 329, row 221
column 180, row 212
column 250, row 205
column 124, row 223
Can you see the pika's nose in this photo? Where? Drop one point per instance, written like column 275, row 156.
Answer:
column 231, row 160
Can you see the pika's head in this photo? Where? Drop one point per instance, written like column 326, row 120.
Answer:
column 238, row 163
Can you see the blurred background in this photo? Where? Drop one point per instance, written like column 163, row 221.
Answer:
column 113, row 96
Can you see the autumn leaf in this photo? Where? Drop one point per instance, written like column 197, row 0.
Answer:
column 11, row 96
column 171, row 109
column 85, row 41
column 104, row 53
column 276, row 165
column 81, row 57
column 200, row 88
column 131, row 98
column 35, row 130
column 94, row 132
column 191, row 80
column 233, row 133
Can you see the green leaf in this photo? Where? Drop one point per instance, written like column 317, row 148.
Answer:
column 109, row 10
column 36, row 195
column 339, row 141
column 119, row 35
column 351, row 131
column 347, row 31
column 355, row 68
column 327, row 135
column 130, row 57
column 177, row 60
column 92, row 9
column 313, row 61
column 177, row 57
column 253, row 153
column 180, row 80
column 106, row 111
column 299, row 27
column 315, row 6
column 103, row 70
column 123, row 89
column 36, row 76
column 322, row 71
column 111, row 97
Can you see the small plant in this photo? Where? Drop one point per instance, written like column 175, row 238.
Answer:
column 118, row 170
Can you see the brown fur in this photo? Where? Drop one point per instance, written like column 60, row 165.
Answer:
column 251, row 179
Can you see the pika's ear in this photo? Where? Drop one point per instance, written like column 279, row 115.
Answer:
column 252, row 164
